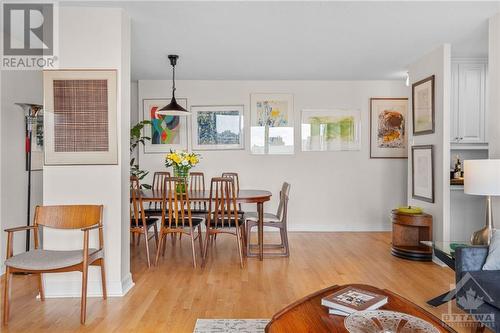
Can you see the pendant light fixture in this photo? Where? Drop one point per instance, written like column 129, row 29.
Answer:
column 173, row 109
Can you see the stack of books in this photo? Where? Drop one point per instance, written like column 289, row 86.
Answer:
column 349, row 300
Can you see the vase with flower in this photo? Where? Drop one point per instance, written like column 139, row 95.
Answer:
column 181, row 162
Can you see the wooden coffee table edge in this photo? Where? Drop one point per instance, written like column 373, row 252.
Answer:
column 436, row 320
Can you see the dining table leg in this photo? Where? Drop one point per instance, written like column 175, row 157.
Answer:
column 260, row 229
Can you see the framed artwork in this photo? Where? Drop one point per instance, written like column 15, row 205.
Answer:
column 388, row 118
column 166, row 132
column 80, row 117
column 271, row 129
column 217, row 127
column 422, row 95
column 331, row 130
column 423, row 172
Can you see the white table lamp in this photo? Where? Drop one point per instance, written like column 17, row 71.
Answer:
column 482, row 177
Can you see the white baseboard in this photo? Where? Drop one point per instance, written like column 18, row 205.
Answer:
column 73, row 288
column 339, row 228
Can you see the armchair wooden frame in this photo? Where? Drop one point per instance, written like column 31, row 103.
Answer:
column 282, row 215
column 83, row 217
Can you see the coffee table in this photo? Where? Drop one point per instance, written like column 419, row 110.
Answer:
column 308, row 315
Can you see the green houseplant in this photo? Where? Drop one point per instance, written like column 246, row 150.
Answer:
column 137, row 138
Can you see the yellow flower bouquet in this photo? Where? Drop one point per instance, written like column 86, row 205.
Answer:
column 181, row 162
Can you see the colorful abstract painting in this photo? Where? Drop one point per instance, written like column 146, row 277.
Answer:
column 166, row 131
column 272, row 124
column 331, row 130
column 388, row 137
column 217, row 127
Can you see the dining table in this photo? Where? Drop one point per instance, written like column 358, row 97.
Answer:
column 258, row 197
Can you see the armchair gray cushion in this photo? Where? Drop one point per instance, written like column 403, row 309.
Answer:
column 493, row 259
column 46, row 259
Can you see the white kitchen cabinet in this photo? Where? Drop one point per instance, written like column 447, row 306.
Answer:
column 468, row 101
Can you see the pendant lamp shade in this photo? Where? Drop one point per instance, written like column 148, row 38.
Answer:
column 173, row 108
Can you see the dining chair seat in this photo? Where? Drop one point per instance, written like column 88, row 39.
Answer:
column 47, row 259
column 152, row 212
column 149, row 221
column 268, row 217
column 229, row 223
column 195, row 220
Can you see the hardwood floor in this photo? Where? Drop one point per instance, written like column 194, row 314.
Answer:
column 171, row 296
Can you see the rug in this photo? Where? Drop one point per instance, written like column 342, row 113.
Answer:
column 230, row 325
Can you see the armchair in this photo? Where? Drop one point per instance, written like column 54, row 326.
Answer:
column 38, row 261
column 477, row 291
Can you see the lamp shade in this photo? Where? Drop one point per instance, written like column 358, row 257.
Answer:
column 482, row 177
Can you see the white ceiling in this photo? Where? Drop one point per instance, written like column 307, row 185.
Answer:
column 298, row 40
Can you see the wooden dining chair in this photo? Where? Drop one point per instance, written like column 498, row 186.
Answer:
column 177, row 217
column 278, row 220
column 140, row 221
column 223, row 215
column 234, row 176
column 159, row 179
column 40, row 261
column 197, row 184
column 154, row 208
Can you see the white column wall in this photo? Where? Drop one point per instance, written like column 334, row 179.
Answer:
column 94, row 38
column 436, row 63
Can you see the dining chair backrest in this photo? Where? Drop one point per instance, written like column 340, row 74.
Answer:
column 283, row 205
column 158, row 180
column 222, row 205
column 68, row 216
column 197, row 183
column 236, row 180
column 176, row 207
column 234, row 177
column 138, row 215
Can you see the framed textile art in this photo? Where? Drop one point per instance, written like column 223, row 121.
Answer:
column 388, row 127
column 271, row 129
column 166, row 132
column 422, row 171
column 217, row 127
column 423, row 106
column 80, row 117
column 331, row 130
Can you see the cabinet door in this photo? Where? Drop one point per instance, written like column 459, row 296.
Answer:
column 454, row 133
column 471, row 102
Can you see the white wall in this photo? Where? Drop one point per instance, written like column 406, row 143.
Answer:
column 436, row 63
column 95, row 38
column 330, row 190
column 26, row 87
column 493, row 124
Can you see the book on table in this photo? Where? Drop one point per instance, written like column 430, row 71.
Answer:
column 349, row 300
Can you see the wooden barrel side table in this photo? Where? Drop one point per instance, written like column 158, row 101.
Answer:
column 408, row 230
